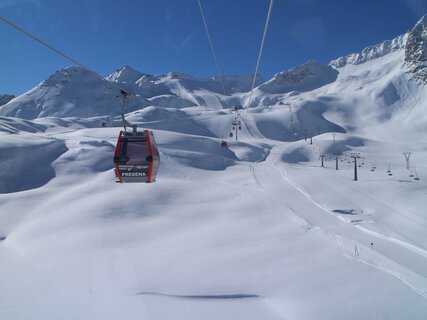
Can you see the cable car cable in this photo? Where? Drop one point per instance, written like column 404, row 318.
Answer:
column 43, row 43
column 267, row 22
column 212, row 47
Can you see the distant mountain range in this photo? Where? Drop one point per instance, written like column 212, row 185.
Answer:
column 75, row 92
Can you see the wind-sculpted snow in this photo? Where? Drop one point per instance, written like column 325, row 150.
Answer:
column 305, row 121
column 389, row 95
column 341, row 146
column 170, row 100
column 199, row 153
column 86, row 157
column 17, row 125
column 26, row 162
column 310, row 117
column 169, row 120
column 295, row 156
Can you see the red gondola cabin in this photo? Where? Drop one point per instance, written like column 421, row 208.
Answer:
column 136, row 157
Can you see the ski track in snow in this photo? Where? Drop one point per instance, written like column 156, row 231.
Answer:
column 402, row 243
column 383, row 264
column 404, row 275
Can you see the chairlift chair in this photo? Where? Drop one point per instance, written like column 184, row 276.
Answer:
column 416, row 177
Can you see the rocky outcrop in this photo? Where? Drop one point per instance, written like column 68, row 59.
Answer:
column 416, row 51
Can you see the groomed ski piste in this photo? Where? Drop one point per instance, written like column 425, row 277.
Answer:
column 256, row 231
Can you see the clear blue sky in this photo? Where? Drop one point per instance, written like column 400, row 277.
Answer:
column 157, row 36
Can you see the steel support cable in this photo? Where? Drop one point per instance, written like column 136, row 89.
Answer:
column 267, row 22
column 43, row 43
column 86, row 68
column 212, row 48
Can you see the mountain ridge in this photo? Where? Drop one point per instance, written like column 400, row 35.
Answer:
column 75, row 92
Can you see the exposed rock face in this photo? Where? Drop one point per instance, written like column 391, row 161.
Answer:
column 371, row 52
column 416, row 50
column 5, row 98
column 414, row 44
column 306, row 77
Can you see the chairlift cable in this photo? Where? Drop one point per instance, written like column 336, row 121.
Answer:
column 270, row 9
column 74, row 61
column 212, row 47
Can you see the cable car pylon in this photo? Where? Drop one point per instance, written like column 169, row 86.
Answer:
column 136, row 156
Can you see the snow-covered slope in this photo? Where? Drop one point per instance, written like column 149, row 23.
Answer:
column 259, row 230
column 306, row 77
column 177, row 90
column 67, row 93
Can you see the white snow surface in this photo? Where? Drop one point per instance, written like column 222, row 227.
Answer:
column 256, row 231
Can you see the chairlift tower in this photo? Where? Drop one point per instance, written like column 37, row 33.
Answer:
column 407, row 156
column 237, row 125
column 322, row 156
column 292, row 126
column 389, row 170
column 355, row 156
column 337, row 155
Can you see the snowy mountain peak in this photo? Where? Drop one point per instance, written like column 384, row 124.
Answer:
column 308, row 76
column 416, row 50
column 125, row 74
column 69, row 92
column 371, row 52
column 66, row 75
